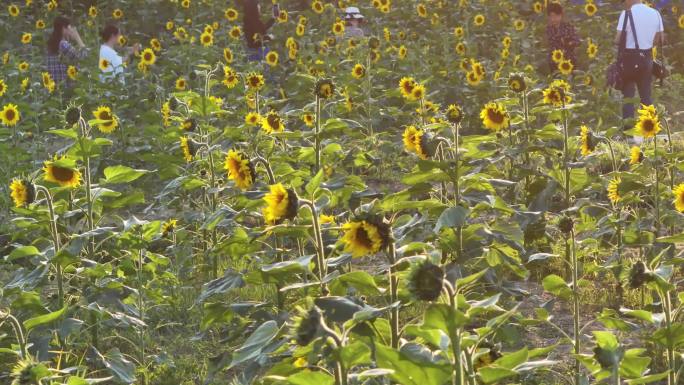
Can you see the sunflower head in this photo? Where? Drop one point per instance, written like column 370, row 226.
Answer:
column 588, row 141
column 309, row 119
column 636, row 156
column 240, row 169
column 366, row 235
column 638, row 275
column 28, row 372
column 359, row 71
column 557, row 55
column 494, row 116
column 169, row 227
column 679, row 198
column 324, row 88
column 148, row 57
column 23, row 192
column 189, row 148
column 272, row 122
column 454, row 114
column 516, row 83
column 406, row 86
column 189, row 124
column 306, row 325
column 255, row 81
column 409, row 138
column 72, row 115
column 63, row 172
column 425, row 147
column 565, row 67
column 281, row 204
column 566, row 224
column 425, row 281
column 9, row 115
column 109, row 122
column 272, row 58
column 648, row 123
column 614, row 190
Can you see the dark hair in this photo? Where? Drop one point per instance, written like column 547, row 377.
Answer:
column 554, row 8
column 56, row 35
column 109, row 31
column 250, row 9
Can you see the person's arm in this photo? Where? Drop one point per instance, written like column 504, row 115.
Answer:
column 659, row 38
column 618, row 35
column 70, row 52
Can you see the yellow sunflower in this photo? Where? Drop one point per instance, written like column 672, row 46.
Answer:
column 565, row 67
column 92, row 11
column 281, row 203
column 590, row 9
column 613, row 192
column 13, row 10
column 636, row 156
column 239, row 169
column 422, row 11
column 230, row 14
column 272, row 122
column 361, row 238
column 3, row 87
column 26, row 38
column 10, row 115
column 587, row 140
column 479, row 20
column 317, row 6
column 406, row 85
column 679, row 198
column 110, row 121
column 309, row 119
column 648, row 123
column 235, row 32
column 359, row 71
column 592, row 50
column 558, row 93
column 188, row 148
column 228, row 55
column 409, row 138
column 254, row 81
column 117, row 13
column 180, row 84
column 272, row 58
column 252, row 118
column 22, row 192
column 494, row 116
column 155, row 44
column 338, row 28
column 104, row 64
column 23, row 66
column 72, row 72
column 557, row 55
column 57, row 171
column 40, row 24
column 169, row 227
column 207, row 38
column 418, row 92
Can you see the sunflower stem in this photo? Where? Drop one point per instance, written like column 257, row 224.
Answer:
column 575, row 307
column 56, row 242
column 455, row 337
column 320, row 247
column 671, row 363
column 657, row 185
column 18, row 332
column 317, row 133
column 267, row 166
column 88, row 184
column 394, row 287
column 457, row 187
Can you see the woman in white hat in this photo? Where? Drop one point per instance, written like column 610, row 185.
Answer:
column 353, row 19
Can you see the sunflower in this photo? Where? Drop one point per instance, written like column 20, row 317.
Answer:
column 338, row 28
column 537, row 7
column 519, row 25
column 425, row 281
column 207, row 38
column 317, row 6
column 592, row 50
column 239, row 169
column 272, row 58
column 472, row 78
column 418, row 92
column 252, row 118
column 309, row 119
column 92, row 11
column 185, row 4
column 189, row 124
column 188, row 147
column 679, row 198
column 324, row 89
column 648, row 124
column 235, row 32
column 254, row 81
column 361, row 238
column 636, row 156
column 109, row 121
column 281, row 203
column 228, row 55
column 409, row 138
column 72, row 72
column 306, row 325
column 10, row 115
column 680, row 22
column 230, row 14
column 458, row 32
column 13, row 10
column 402, row 52
column 423, row 145
column 300, row 30
column 169, row 227
column 494, row 116
column 406, row 86
column 117, row 13
column 479, row 20
column 587, row 140
column 613, row 190
column 23, row 66
column 3, row 87
column 104, row 64
column 26, row 38
column 40, row 24
column 62, row 172
column 359, row 71
column 558, row 93
column 22, row 192
column 590, row 9
column 180, row 84
column 557, row 55
column 460, row 48
column 272, row 122
column 565, row 67
column 516, row 83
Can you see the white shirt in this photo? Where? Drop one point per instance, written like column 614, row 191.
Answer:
column 647, row 22
column 115, row 61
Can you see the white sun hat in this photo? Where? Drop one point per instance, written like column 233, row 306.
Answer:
column 352, row 13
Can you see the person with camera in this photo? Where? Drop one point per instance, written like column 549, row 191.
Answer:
column 255, row 30
column 640, row 29
column 111, row 63
column 60, row 51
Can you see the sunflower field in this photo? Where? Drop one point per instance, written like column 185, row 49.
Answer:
column 425, row 205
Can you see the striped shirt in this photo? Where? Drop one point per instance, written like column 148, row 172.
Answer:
column 57, row 64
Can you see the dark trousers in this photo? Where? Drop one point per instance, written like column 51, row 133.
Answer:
column 637, row 75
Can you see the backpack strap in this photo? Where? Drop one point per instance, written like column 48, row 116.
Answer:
column 622, row 45
column 631, row 23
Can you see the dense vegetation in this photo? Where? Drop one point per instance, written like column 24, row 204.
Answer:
column 425, row 205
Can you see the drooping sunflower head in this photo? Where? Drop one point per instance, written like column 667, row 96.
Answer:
column 324, row 88
column 639, row 275
column 588, row 142
column 424, row 145
column 239, row 169
column 63, row 172
column 10, row 115
column 365, row 236
column 272, row 122
column 636, row 156
column 281, row 204
column 169, row 227
column 29, row 372
column 494, row 116
column 72, row 114
column 23, row 192
column 565, row 224
column 613, row 190
column 109, row 122
column 648, row 123
column 189, row 124
column 189, row 148
column 309, row 119
column 679, row 198
column 516, row 83
column 306, row 325
column 425, row 281
column 454, row 114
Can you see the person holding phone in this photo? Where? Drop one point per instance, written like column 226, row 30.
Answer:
column 255, row 30
column 353, row 20
column 111, row 63
column 60, row 51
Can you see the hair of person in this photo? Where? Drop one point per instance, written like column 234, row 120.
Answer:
column 109, row 31
column 555, row 8
column 251, row 11
column 59, row 24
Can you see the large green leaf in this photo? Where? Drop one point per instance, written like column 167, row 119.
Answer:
column 121, row 174
column 408, row 370
column 43, row 319
column 256, row 342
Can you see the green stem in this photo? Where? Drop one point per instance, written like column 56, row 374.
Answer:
column 18, row 331
column 394, row 287
column 320, row 247
column 457, row 187
column 657, row 185
column 141, row 305
column 317, row 134
column 575, row 307
column 455, row 336
column 88, row 184
column 56, row 242
column 671, row 358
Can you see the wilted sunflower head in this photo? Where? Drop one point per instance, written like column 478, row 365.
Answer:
column 23, row 192
column 638, row 275
column 517, row 83
column 63, row 172
column 72, row 114
column 281, row 204
column 494, row 116
column 487, row 354
column 28, row 372
column 239, row 169
column 272, row 122
column 425, row 281
column 189, row 124
column 454, row 113
column 566, row 224
column 324, row 88
column 169, row 227
column 306, row 325
column 189, row 148
column 588, row 141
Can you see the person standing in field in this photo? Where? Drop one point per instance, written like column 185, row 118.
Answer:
column 353, row 20
column 60, row 52
column 255, row 30
column 111, row 63
column 645, row 23
column 561, row 36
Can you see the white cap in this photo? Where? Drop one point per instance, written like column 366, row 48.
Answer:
column 352, row 13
